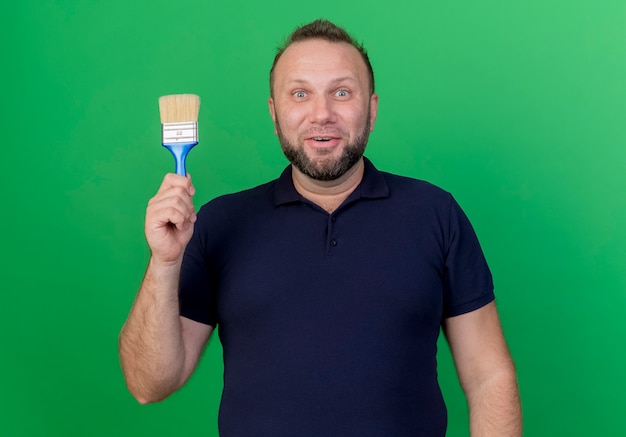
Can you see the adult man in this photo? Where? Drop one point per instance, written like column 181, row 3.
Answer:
column 329, row 285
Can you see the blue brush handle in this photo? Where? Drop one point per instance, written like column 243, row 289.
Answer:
column 180, row 152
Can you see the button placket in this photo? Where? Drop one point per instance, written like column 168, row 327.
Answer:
column 331, row 241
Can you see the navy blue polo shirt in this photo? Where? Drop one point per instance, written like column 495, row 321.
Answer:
column 329, row 322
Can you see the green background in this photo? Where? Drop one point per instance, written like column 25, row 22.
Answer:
column 517, row 108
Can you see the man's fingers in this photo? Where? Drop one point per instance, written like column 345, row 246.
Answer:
column 192, row 189
column 173, row 180
column 175, row 197
column 177, row 218
column 171, row 210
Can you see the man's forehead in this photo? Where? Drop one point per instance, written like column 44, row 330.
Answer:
column 318, row 46
column 320, row 54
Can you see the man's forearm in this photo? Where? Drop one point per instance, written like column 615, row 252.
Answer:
column 151, row 346
column 495, row 407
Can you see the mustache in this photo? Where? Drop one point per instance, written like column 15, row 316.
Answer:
column 323, row 131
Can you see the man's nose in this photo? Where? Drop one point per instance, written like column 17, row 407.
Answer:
column 321, row 110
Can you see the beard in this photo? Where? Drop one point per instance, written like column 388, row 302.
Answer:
column 323, row 167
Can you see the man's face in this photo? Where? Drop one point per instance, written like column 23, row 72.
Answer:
column 321, row 107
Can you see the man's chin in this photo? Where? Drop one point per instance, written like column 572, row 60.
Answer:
column 323, row 164
column 326, row 170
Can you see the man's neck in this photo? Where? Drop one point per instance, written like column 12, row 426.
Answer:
column 328, row 194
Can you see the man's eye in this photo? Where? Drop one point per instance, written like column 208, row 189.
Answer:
column 342, row 93
column 299, row 94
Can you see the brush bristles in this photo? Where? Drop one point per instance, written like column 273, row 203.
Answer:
column 178, row 108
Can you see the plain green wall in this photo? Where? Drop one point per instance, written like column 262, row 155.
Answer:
column 517, row 108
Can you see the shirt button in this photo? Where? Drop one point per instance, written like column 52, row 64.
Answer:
column 333, row 242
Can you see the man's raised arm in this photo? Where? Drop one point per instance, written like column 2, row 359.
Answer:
column 158, row 348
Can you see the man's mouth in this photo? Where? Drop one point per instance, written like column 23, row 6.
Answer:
column 323, row 140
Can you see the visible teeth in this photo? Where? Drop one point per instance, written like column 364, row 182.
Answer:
column 321, row 139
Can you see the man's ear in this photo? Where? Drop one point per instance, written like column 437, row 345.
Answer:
column 373, row 110
column 270, row 103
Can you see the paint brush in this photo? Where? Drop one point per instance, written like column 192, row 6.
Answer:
column 179, row 123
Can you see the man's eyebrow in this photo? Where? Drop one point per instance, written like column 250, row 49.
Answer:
column 344, row 79
column 333, row 81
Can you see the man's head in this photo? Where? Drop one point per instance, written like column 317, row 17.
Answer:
column 325, row 30
column 322, row 103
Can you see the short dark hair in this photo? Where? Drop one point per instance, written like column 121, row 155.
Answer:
column 325, row 30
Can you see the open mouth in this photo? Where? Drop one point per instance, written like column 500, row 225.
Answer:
column 323, row 140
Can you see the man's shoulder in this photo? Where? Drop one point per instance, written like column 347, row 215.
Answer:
column 400, row 188
column 414, row 188
column 256, row 196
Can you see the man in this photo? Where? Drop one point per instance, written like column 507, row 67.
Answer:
column 329, row 285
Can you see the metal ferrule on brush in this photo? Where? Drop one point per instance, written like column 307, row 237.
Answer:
column 184, row 132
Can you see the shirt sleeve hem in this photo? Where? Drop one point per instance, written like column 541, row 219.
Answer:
column 198, row 318
column 470, row 306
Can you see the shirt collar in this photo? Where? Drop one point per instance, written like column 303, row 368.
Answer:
column 372, row 186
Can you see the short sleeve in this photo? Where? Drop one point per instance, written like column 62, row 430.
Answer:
column 467, row 280
column 197, row 280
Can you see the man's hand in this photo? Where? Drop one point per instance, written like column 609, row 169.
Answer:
column 170, row 219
